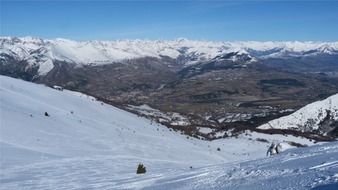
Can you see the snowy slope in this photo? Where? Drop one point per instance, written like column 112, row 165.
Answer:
column 309, row 117
column 84, row 143
column 306, row 168
column 43, row 52
column 81, row 126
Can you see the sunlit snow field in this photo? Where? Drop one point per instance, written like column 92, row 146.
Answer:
column 85, row 144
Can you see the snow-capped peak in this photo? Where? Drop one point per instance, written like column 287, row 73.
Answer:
column 105, row 52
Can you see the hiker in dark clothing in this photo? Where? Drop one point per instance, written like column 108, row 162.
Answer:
column 274, row 149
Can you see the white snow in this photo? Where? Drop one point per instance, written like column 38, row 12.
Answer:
column 308, row 117
column 45, row 67
column 86, row 144
column 205, row 130
column 170, row 117
column 80, row 126
column 314, row 168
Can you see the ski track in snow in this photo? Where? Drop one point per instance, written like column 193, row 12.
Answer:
column 306, row 172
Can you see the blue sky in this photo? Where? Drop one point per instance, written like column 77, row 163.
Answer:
column 203, row 20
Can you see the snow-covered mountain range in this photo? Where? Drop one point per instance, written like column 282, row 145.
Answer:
column 217, row 84
column 43, row 52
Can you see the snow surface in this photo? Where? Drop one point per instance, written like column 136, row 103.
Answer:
column 104, row 52
column 86, row 144
column 171, row 117
column 314, row 168
column 308, row 117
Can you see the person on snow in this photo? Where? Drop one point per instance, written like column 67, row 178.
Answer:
column 271, row 150
column 278, row 148
column 274, row 149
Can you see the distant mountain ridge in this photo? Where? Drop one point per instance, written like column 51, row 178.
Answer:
column 41, row 53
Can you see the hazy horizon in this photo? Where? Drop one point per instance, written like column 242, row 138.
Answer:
column 174, row 39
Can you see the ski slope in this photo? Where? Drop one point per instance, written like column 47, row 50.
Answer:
column 313, row 168
column 80, row 130
column 84, row 143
